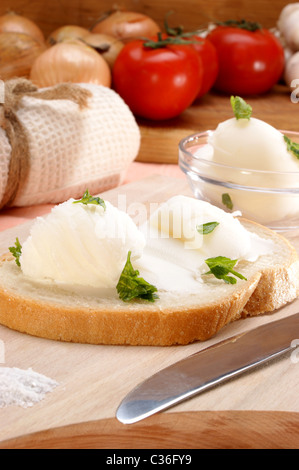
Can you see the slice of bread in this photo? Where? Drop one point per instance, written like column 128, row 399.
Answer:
column 66, row 314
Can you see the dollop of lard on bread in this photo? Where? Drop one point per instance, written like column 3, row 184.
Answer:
column 90, row 242
column 185, row 234
column 83, row 242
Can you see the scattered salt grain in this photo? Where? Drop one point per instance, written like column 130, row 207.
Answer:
column 23, row 387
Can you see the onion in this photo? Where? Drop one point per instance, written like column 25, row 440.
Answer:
column 126, row 25
column 17, row 54
column 70, row 61
column 67, row 32
column 108, row 46
column 13, row 23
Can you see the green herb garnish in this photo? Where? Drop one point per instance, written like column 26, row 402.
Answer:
column 241, row 109
column 16, row 251
column 226, row 200
column 130, row 286
column 88, row 199
column 292, row 146
column 204, row 229
column 221, row 266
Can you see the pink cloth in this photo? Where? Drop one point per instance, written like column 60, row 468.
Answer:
column 18, row 215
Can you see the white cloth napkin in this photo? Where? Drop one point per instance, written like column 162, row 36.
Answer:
column 73, row 149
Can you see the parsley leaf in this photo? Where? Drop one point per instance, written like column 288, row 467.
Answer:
column 292, row 146
column 130, row 286
column 204, row 229
column 226, row 200
column 88, row 199
column 220, row 267
column 16, row 251
column 241, row 109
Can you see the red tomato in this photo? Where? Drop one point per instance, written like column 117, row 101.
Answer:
column 157, row 83
column 209, row 57
column 250, row 62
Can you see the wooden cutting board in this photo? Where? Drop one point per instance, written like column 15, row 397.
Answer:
column 259, row 409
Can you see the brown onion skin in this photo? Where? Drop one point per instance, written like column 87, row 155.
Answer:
column 67, row 32
column 14, row 23
column 127, row 25
column 108, row 46
column 17, row 54
column 70, row 61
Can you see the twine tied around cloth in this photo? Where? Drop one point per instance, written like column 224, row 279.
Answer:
column 14, row 90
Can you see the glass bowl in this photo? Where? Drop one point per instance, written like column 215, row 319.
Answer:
column 270, row 198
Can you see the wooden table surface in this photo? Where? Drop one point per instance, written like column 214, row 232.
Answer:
column 259, row 409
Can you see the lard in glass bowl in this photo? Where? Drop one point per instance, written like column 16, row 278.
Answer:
column 246, row 165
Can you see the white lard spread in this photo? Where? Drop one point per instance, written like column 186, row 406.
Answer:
column 85, row 245
column 252, row 143
column 81, row 244
column 252, row 153
column 175, row 253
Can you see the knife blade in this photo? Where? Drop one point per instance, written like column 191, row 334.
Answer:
column 207, row 368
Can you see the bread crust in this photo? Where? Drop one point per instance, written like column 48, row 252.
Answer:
column 144, row 323
column 278, row 285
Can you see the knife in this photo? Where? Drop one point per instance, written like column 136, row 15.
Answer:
column 207, row 368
